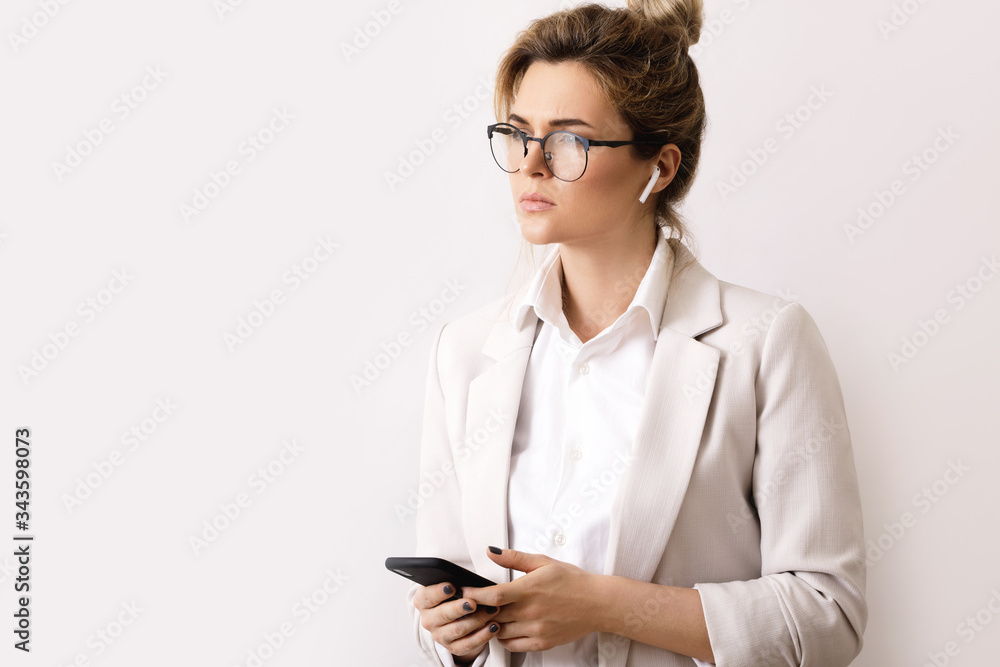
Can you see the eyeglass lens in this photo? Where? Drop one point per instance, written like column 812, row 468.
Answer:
column 564, row 153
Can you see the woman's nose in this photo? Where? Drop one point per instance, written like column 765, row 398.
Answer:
column 534, row 161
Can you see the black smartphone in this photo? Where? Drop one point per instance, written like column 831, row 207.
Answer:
column 430, row 571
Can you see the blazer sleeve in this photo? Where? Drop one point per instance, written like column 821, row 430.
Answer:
column 808, row 607
column 438, row 514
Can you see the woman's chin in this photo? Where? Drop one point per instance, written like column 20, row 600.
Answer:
column 537, row 231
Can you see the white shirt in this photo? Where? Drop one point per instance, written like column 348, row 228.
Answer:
column 577, row 418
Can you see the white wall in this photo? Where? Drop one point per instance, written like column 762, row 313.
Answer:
column 189, row 282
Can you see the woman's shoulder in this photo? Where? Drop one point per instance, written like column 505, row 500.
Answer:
column 740, row 302
column 759, row 320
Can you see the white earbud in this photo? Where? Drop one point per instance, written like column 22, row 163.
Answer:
column 649, row 186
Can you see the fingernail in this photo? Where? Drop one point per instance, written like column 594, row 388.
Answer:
column 494, row 627
column 448, row 590
column 496, row 550
column 466, row 606
column 488, row 608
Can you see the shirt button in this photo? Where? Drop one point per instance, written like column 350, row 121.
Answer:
column 584, row 369
column 560, row 539
column 576, row 455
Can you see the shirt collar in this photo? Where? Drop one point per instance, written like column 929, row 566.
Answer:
column 544, row 294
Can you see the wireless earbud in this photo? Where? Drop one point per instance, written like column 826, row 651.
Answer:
column 649, row 186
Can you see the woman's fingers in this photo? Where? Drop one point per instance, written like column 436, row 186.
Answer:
column 473, row 632
column 429, row 597
column 461, row 626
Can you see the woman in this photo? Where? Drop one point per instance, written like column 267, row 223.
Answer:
column 653, row 464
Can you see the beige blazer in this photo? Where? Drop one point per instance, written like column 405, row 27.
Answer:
column 742, row 477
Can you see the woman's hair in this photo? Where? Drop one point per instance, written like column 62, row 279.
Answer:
column 639, row 58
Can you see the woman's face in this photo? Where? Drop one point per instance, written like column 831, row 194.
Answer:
column 604, row 202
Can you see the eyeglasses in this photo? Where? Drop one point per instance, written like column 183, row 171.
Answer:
column 565, row 153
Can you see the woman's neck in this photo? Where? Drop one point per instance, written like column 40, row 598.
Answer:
column 599, row 284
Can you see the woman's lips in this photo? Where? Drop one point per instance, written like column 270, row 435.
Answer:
column 535, row 205
column 533, row 201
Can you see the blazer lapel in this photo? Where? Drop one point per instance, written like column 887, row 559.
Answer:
column 494, row 397
column 675, row 406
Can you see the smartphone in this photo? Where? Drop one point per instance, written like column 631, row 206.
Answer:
column 430, row 571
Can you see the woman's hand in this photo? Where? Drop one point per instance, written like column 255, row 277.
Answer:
column 461, row 626
column 554, row 603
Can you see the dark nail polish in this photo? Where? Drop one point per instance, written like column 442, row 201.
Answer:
column 448, row 590
column 488, row 608
column 496, row 550
column 494, row 627
column 466, row 606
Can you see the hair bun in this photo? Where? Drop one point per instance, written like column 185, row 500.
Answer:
column 683, row 14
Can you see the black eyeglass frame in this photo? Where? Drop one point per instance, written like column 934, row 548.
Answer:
column 587, row 143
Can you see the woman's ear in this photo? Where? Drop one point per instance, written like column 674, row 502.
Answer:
column 669, row 161
column 664, row 169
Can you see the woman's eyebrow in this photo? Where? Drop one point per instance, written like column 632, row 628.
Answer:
column 558, row 122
